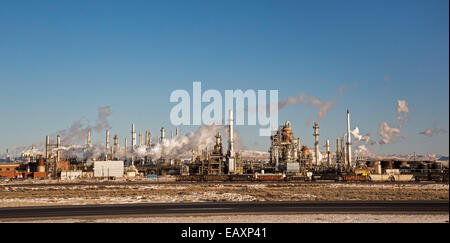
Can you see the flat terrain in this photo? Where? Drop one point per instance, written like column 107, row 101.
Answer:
column 46, row 193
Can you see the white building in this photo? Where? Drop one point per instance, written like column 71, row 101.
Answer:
column 71, row 175
column 112, row 168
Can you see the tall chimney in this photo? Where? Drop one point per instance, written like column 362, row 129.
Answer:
column 133, row 136
column 58, row 145
column 107, row 139
column 231, row 155
column 125, row 149
column 147, row 139
column 47, row 147
column 338, row 150
column 345, row 152
column 176, row 132
column 141, row 139
column 116, row 140
column 231, row 142
column 162, row 134
column 88, row 140
column 328, row 153
column 349, row 140
column 316, row 142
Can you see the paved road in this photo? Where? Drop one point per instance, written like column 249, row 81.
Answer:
column 385, row 207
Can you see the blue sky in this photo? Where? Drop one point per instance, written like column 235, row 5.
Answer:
column 60, row 60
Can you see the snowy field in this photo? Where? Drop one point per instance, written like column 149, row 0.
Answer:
column 33, row 193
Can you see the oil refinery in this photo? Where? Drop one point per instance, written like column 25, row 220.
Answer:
column 187, row 158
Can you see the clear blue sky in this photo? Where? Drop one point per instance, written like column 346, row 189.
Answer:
column 60, row 60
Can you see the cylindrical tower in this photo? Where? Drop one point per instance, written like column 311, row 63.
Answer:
column 58, row 145
column 107, row 139
column 88, row 140
column 316, row 142
column 328, row 153
column 231, row 140
column 147, row 139
column 349, row 141
column 163, row 134
column 47, row 147
column 41, row 165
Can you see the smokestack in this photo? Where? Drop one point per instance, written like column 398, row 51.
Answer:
column 231, row 156
column 316, row 142
column 116, row 142
column 58, row 145
column 88, row 140
column 345, row 151
column 133, row 136
column 47, row 147
column 162, row 134
column 338, row 150
column 328, row 153
column 107, row 139
column 231, row 142
column 147, row 139
column 349, row 140
column 141, row 139
column 125, row 149
column 415, row 156
column 176, row 132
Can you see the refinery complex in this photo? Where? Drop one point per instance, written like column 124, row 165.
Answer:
column 174, row 158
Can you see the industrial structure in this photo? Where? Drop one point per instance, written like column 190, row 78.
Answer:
column 289, row 159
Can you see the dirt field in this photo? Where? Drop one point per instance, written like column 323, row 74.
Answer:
column 45, row 194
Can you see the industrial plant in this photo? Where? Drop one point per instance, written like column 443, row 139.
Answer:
column 187, row 158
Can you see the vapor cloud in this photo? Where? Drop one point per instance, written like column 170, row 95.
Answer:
column 388, row 134
column 322, row 106
column 358, row 137
column 78, row 130
column 432, row 132
column 402, row 110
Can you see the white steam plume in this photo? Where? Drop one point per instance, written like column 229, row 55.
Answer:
column 358, row 137
column 308, row 100
column 402, row 110
column 77, row 131
column 432, row 132
column 388, row 134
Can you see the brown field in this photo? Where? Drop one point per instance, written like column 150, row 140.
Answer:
column 46, row 194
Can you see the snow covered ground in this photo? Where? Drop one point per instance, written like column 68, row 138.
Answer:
column 30, row 194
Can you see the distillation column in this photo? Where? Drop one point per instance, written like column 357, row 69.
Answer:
column 316, row 142
column 349, row 141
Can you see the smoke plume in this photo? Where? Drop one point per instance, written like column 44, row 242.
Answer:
column 432, row 132
column 305, row 99
column 78, row 130
column 402, row 110
column 358, row 137
column 388, row 134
